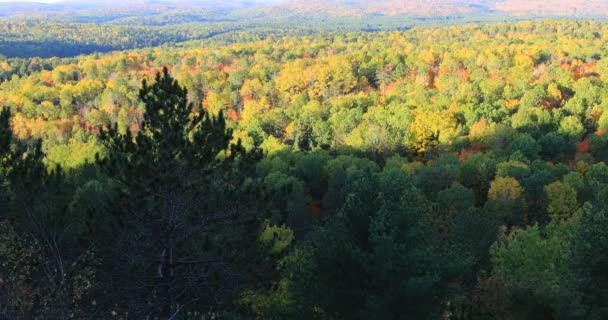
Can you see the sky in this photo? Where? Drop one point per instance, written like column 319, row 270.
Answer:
column 85, row 1
column 44, row 1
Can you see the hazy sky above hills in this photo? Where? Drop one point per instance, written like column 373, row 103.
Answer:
column 43, row 1
column 101, row 1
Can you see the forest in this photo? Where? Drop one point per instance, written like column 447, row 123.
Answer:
column 69, row 28
column 454, row 172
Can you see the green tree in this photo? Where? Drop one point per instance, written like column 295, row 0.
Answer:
column 533, row 264
column 555, row 146
column 506, row 201
column 376, row 258
column 572, row 127
column 525, row 144
column 587, row 265
column 47, row 265
column 562, row 201
column 180, row 206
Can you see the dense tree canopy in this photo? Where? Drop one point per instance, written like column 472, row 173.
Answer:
column 453, row 173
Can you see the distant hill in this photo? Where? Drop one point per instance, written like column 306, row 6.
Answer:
column 382, row 7
column 73, row 27
column 339, row 8
column 552, row 7
column 443, row 7
column 8, row 8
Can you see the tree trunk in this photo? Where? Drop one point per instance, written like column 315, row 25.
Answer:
column 165, row 275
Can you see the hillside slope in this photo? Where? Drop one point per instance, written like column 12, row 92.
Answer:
column 445, row 7
column 270, row 8
column 553, row 7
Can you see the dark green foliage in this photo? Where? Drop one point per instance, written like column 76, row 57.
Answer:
column 165, row 222
column 438, row 175
column 599, row 146
column 556, row 272
column 532, row 264
column 525, row 144
column 183, row 226
column 384, row 253
column 587, row 266
column 6, row 135
column 477, row 172
column 46, row 261
column 555, row 147
column 374, row 260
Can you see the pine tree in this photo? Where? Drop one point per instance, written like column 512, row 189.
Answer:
column 180, row 183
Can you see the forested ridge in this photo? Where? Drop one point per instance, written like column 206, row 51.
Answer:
column 70, row 28
column 435, row 173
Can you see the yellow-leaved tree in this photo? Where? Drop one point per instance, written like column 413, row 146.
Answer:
column 431, row 128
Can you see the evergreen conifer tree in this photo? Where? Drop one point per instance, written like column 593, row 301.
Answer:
column 181, row 218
